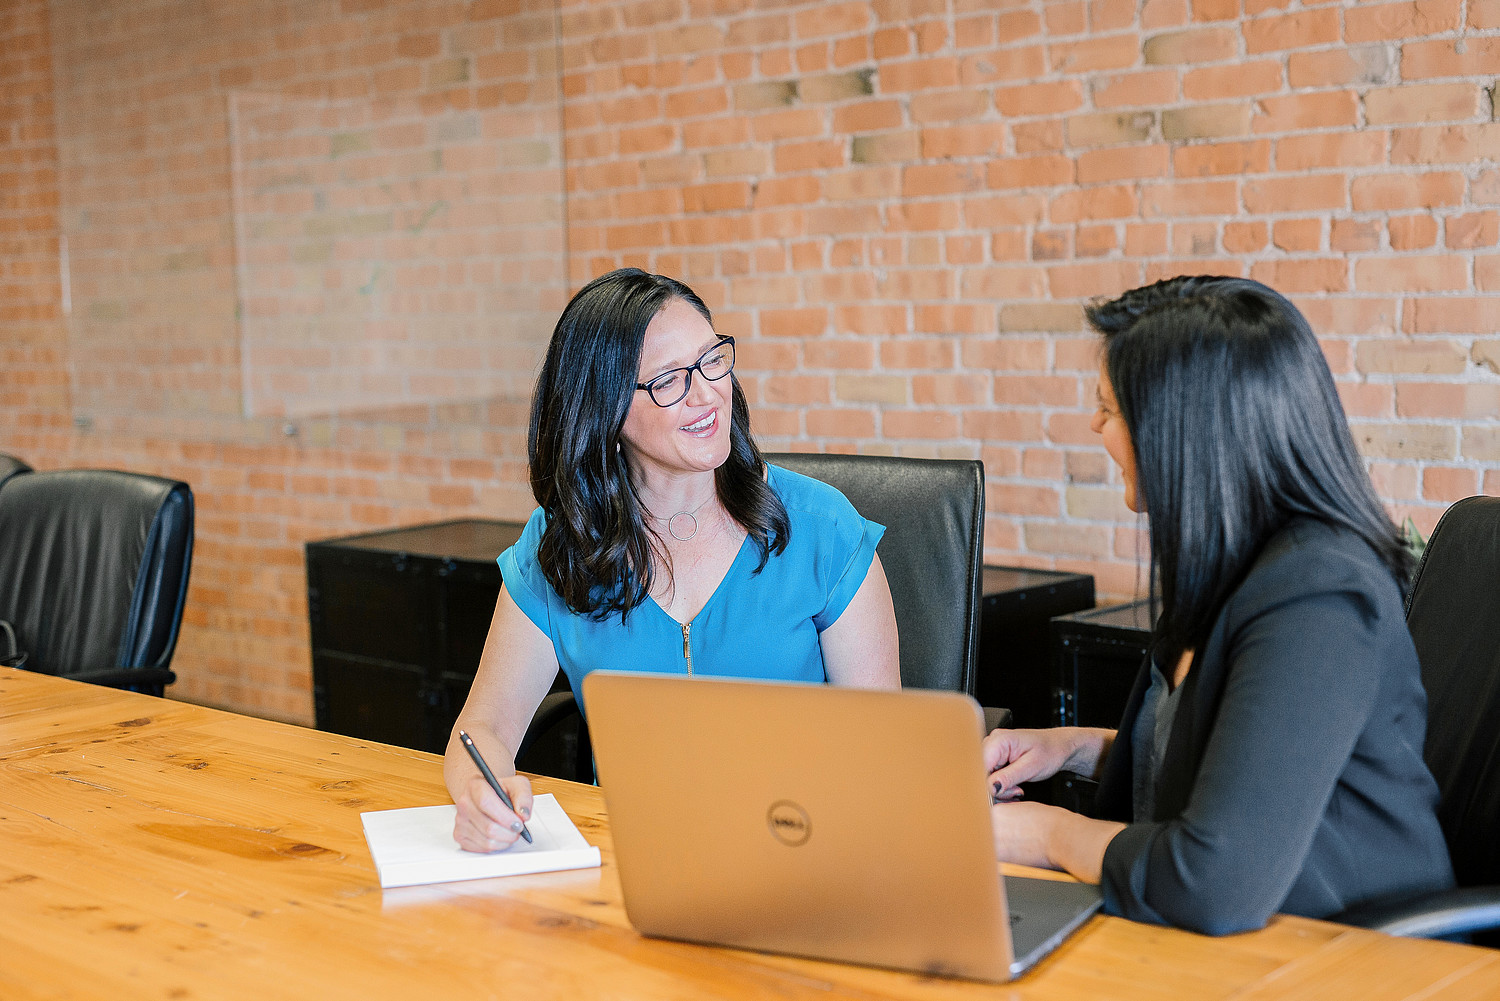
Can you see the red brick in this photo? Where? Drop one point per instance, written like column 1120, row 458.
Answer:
column 1217, row 83
column 919, row 180
column 974, row 139
column 933, row 424
column 868, row 116
column 1295, row 194
column 1097, row 166
column 841, row 422
column 950, row 390
column 1301, row 29
column 1021, row 63
column 1092, row 55
column 1445, row 315
column 1190, row 198
column 948, row 105
column 1298, row 235
column 1205, row 121
column 1412, row 232
column 1427, row 273
column 1446, row 400
column 1067, row 17
column 1476, row 56
column 1340, row 67
column 1198, row 45
column 1108, row 129
column 1040, row 98
column 1392, row 21
column 918, row 75
column 1315, row 110
column 1222, row 159
column 1018, row 499
column 1311, row 275
column 1030, row 172
column 1347, row 149
column 1244, row 237
column 1147, row 89
column 1354, row 235
column 1431, row 102
column 1449, row 483
column 1475, row 229
column 1445, row 144
column 1107, row 202
column 1389, row 192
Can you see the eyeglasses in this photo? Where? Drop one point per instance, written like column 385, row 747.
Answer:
column 672, row 385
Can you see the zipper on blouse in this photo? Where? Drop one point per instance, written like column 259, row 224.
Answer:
column 687, row 650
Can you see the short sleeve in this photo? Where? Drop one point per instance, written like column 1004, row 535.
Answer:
column 861, row 545
column 523, row 575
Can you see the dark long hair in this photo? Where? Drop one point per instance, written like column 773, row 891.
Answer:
column 1237, row 428
column 597, row 547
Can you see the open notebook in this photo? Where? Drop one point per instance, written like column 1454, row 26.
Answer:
column 416, row 845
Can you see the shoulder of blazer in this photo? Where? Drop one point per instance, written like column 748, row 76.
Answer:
column 1308, row 557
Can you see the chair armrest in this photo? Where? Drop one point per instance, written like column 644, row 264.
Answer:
column 996, row 718
column 1431, row 915
column 128, row 677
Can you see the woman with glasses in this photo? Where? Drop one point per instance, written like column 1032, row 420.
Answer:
column 662, row 541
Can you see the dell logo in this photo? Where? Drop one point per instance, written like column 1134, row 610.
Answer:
column 788, row 823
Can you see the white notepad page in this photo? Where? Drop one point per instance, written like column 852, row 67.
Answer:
column 416, row 846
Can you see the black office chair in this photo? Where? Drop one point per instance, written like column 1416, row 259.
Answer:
column 10, row 466
column 93, row 573
column 932, row 552
column 1453, row 612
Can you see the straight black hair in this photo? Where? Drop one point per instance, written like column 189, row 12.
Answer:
column 596, row 549
column 1237, row 428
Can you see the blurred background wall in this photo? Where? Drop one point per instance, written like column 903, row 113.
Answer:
column 305, row 255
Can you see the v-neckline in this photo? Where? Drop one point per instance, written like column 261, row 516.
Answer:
column 717, row 588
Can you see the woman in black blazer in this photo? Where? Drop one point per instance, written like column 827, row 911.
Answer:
column 1270, row 755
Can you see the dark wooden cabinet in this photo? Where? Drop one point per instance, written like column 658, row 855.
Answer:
column 398, row 622
column 1097, row 654
column 1015, row 668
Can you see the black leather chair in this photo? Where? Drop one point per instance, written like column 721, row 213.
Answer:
column 93, row 573
column 932, row 552
column 10, row 466
column 1453, row 611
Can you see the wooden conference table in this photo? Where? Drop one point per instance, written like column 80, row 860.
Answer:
column 154, row 849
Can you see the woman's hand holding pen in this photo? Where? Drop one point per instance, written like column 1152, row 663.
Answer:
column 484, row 823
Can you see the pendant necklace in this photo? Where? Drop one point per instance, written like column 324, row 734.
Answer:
column 683, row 526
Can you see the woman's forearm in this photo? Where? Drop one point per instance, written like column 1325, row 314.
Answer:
column 1092, row 748
column 1076, row 844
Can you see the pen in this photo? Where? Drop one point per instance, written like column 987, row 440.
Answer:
column 489, row 777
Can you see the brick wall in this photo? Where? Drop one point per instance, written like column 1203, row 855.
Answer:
column 897, row 205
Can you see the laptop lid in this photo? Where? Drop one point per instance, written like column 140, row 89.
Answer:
column 806, row 819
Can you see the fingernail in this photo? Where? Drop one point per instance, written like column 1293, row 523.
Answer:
column 516, row 827
column 526, row 812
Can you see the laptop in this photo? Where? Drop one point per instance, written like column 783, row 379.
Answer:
column 817, row 821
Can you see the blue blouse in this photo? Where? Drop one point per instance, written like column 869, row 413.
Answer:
column 755, row 625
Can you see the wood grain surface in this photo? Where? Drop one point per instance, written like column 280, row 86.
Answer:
column 155, row 849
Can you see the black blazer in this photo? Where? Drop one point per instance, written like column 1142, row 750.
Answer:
column 1293, row 779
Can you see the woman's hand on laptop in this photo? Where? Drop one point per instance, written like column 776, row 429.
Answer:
column 1049, row 837
column 484, row 824
column 1016, row 756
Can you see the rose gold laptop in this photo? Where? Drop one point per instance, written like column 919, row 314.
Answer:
column 818, row 821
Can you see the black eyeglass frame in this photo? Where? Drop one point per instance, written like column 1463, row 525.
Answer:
column 688, row 370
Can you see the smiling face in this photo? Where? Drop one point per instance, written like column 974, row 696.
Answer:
column 1110, row 425
column 692, row 435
